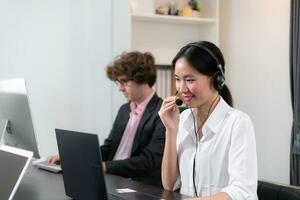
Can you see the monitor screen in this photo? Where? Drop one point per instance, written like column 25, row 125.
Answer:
column 13, row 165
column 16, row 121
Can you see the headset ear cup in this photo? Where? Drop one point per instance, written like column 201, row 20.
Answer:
column 219, row 82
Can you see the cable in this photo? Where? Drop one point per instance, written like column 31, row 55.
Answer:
column 194, row 162
column 196, row 134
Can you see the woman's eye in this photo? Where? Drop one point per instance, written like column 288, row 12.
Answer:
column 189, row 80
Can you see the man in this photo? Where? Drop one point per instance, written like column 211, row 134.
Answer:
column 134, row 147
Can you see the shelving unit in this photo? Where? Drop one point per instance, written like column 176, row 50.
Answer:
column 171, row 19
column 164, row 35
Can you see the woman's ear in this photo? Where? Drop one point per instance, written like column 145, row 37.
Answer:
column 211, row 83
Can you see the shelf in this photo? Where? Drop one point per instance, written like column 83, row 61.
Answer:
column 172, row 19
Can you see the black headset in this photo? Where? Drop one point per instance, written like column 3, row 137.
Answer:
column 219, row 77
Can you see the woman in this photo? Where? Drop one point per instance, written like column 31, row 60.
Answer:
column 210, row 148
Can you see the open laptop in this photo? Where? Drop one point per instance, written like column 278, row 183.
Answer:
column 13, row 164
column 81, row 164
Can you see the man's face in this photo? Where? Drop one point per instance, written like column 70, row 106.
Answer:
column 130, row 89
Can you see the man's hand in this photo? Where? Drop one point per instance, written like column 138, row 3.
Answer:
column 53, row 160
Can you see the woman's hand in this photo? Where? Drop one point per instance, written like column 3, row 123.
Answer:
column 169, row 114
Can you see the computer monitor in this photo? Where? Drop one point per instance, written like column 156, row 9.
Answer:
column 16, row 128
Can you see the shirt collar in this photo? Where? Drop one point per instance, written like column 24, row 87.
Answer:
column 215, row 119
column 139, row 108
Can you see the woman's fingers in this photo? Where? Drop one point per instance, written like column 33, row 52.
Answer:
column 167, row 107
column 169, row 100
column 170, row 106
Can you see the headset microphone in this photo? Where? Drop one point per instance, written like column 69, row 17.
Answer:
column 178, row 101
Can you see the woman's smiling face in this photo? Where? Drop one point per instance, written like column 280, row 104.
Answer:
column 195, row 88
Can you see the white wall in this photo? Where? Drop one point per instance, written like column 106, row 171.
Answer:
column 120, row 42
column 255, row 40
column 61, row 49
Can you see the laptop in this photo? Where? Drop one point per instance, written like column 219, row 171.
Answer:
column 81, row 164
column 13, row 164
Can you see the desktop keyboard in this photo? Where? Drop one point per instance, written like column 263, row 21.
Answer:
column 40, row 163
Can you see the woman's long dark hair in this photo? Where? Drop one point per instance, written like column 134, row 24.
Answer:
column 198, row 55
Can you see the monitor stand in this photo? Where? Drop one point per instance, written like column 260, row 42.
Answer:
column 6, row 131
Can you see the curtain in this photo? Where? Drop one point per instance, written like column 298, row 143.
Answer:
column 295, row 92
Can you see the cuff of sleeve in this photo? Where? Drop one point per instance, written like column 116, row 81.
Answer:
column 104, row 167
column 237, row 193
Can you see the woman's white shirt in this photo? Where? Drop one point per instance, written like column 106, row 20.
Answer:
column 226, row 154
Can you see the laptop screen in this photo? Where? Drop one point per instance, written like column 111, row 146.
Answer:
column 12, row 168
column 81, row 164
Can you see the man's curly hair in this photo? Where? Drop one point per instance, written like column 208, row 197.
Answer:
column 136, row 66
